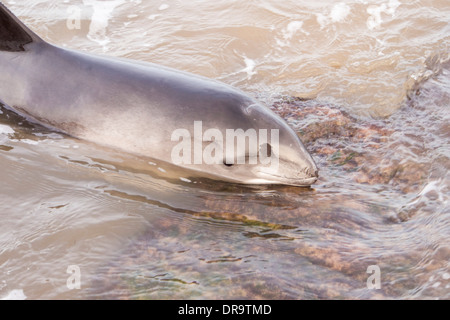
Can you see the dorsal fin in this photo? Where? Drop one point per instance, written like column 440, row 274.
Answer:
column 13, row 33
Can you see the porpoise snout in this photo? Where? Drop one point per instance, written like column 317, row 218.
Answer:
column 312, row 171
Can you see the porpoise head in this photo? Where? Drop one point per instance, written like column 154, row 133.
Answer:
column 245, row 143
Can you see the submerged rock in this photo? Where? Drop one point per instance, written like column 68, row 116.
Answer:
column 328, row 236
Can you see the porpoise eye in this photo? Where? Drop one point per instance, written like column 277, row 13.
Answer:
column 266, row 150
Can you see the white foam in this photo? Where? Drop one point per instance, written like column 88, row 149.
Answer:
column 52, row 135
column 292, row 28
column 374, row 21
column 164, row 6
column 15, row 295
column 161, row 169
column 28, row 141
column 321, row 20
column 153, row 16
column 288, row 33
column 436, row 284
column 339, row 12
column 185, row 180
column 100, row 19
column 4, row 129
column 435, row 186
column 392, row 7
column 249, row 67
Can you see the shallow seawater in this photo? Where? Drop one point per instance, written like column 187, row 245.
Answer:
column 366, row 84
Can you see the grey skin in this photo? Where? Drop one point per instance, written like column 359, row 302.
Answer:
column 136, row 106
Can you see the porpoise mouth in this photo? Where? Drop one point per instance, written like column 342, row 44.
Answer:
column 307, row 181
column 270, row 178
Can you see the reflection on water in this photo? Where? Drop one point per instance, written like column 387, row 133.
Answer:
column 138, row 228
